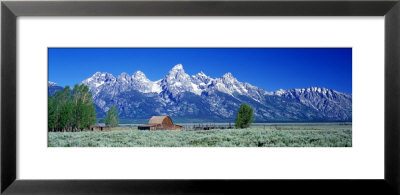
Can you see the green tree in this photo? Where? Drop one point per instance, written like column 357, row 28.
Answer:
column 52, row 113
column 84, row 113
column 69, row 111
column 112, row 117
column 65, row 108
column 91, row 114
column 244, row 116
column 55, row 109
column 102, row 120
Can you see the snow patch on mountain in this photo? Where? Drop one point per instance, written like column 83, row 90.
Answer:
column 52, row 84
column 141, row 83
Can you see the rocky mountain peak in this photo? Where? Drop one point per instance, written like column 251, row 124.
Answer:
column 177, row 73
column 53, row 84
column 139, row 75
column 227, row 75
column 201, row 79
column 125, row 77
column 178, row 67
column 102, row 75
column 98, row 79
column 201, row 74
column 228, row 78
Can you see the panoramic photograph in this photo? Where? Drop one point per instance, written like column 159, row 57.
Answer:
column 199, row 97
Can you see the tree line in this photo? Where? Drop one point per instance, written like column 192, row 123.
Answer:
column 71, row 110
column 74, row 110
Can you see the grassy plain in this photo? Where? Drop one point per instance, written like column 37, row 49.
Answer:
column 287, row 135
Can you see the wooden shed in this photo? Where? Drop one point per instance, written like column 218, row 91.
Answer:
column 160, row 123
column 100, row 126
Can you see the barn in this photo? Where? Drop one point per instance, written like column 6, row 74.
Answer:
column 160, row 123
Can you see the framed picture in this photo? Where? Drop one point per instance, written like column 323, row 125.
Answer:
column 161, row 102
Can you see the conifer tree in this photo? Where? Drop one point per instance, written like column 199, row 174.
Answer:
column 244, row 116
column 112, row 117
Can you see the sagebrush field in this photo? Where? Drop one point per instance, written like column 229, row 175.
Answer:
column 252, row 137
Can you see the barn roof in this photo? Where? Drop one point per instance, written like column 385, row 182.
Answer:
column 147, row 125
column 100, row 125
column 158, row 119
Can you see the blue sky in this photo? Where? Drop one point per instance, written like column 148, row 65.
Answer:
column 268, row 68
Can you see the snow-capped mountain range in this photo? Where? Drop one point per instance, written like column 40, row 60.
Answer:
column 53, row 88
column 200, row 98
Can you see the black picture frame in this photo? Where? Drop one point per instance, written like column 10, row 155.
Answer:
column 10, row 10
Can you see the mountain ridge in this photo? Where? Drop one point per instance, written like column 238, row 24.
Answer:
column 199, row 96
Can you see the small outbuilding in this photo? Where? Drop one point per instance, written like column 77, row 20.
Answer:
column 160, row 123
column 100, row 126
